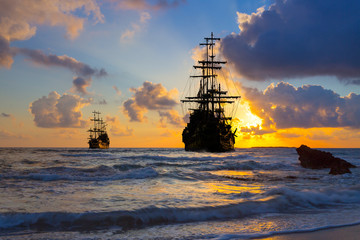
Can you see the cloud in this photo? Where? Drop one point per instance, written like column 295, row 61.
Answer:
column 117, row 129
column 5, row 115
column 297, row 38
column 133, row 111
column 284, row 106
column 149, row 96
column 80, row 84
column 145, row 5
column 135, row 27
column 84, row 71
column 172, row 117
column 19, row 20
column 6, row 53
column 56, row 111
column 64, row 61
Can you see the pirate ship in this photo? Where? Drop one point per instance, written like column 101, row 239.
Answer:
column 98, row 136
column 209, row 129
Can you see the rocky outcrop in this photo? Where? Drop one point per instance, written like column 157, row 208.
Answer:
column 339, row 168
column 316, row 159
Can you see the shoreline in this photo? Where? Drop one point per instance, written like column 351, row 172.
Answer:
column 348, row 232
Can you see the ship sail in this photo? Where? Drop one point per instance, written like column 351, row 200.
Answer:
column 98, row 137
column 209, row 129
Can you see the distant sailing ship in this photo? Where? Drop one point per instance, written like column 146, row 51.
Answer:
column 209, row 129
column 98, row 136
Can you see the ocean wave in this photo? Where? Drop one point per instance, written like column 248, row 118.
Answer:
column 99, row 173
column 246, row 165
column 187, row 158
column 316, row 199
column 280, row 200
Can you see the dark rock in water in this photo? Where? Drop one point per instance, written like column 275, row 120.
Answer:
column 316, row 159
column 339, row 168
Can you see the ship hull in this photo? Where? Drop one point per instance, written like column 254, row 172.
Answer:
column 102, row 142
column 212, row 135
column 98, row 144
column 209, row 143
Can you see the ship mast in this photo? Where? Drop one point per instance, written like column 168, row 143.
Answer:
column 210, row 96
column 99, row 126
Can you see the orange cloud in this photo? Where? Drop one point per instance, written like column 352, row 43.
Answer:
column 149, row 96
column 56, row 111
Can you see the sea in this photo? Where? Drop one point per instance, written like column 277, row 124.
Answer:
column 168, row 193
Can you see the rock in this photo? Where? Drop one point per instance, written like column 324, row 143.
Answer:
column 339, row 168
column 316, row 159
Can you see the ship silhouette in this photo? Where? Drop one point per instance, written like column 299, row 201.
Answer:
column 209, row 129
column 98, row 137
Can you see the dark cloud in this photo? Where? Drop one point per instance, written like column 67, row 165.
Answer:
column 70, row 63
column 5, row 115
column 80, row 84
column 297, row 38
column 84, row 71
column 149, row 96
column 56, row 111
column 284, row 106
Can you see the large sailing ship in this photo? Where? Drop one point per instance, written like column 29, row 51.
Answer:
column 209, row 129
column 98, row 136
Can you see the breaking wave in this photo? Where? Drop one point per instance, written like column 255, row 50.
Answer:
column 282, row 200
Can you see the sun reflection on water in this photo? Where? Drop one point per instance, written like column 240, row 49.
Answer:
column 236, row 187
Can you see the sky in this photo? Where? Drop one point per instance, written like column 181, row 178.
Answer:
column 295, row 63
